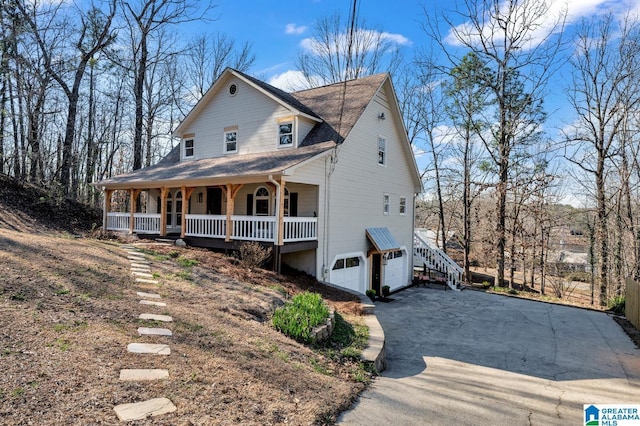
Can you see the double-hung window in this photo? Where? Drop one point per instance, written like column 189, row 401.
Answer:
column 285, row 133
column 382, row 151
column 403, row 206
column 230, row 140
column 386, row 204
column 188, row 147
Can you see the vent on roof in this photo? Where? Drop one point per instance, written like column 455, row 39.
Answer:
column 233, row 89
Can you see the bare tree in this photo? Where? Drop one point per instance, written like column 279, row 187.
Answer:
column 209, row 55
column 334, row 53
column 93, row 35
column 605, row 87
column 145, row 19
column 511, row 40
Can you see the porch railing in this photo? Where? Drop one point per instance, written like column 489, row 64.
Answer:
column 245, row 228
column 146, row 223
column 253, row 228
column 300, row 229
column 118, row 221
column 208, row 226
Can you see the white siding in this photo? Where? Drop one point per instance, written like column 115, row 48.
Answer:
column 357, row 186
column 254, row 113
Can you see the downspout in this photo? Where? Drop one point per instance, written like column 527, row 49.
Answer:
column 277, row 212
column 413, row 238
column 276, row 229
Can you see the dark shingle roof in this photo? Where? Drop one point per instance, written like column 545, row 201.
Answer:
column 326, row 102
column 323, row 103
column 257, row 164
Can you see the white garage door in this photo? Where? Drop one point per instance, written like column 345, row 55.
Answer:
column 394, row 272
column 348, row 272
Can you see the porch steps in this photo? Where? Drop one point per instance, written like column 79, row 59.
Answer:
column 435, row 259
column 156, row 406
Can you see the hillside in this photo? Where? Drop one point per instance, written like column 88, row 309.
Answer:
column 28, row 208
column 69, row 308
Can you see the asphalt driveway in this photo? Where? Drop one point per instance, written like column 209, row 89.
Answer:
column 471, row 358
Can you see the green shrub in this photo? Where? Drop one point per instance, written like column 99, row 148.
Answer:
column 386, row 290
column 298, row 317
column 371, row 293
column 486, row 284
column 617, row 305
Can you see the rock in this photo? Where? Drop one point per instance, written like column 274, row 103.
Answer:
column 180, row 243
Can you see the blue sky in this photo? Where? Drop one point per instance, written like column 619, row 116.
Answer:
column 278, row 30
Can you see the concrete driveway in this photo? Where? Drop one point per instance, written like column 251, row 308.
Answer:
column 471, row 358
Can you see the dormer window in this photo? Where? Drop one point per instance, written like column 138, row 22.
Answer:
column 285, row 133
column 188, row 148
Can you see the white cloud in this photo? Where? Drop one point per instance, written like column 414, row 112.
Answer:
column 574, row 10
column 289, row 81
column 368, row 40
column 294, row 29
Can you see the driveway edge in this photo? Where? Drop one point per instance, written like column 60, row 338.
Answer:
column 375, row 351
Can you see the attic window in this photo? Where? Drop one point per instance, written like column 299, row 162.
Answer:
column 233, row 89
column 188, row 148
column 285, row 133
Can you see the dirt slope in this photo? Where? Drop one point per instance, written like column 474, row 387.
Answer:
column 68, row 309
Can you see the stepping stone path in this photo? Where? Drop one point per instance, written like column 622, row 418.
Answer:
column 141, row 271
column 144, row 409
column 154, row 317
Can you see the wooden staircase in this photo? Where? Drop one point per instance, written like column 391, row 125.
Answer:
column 427, row 254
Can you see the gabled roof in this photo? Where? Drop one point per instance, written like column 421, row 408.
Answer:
column 171, row 169
column 326, row 101
column 321, row 104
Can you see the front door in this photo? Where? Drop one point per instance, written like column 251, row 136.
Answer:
column 174, row 212
column 376, row 272
column 214, row 201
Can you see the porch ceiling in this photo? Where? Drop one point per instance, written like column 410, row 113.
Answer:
column 235, row 168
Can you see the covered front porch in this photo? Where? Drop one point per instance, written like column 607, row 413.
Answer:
column 270, row 211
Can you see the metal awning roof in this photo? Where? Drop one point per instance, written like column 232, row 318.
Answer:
column 382, row 239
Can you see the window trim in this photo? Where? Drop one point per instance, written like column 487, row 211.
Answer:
column 227, row 131
column 402, row 209
column 285, row 121
column 382, row 142
column 386, row 204
column 257, row 198
column 185, row 139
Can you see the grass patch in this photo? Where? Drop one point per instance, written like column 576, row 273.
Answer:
column 186, row 263
column 61, row 292
column 298, row 317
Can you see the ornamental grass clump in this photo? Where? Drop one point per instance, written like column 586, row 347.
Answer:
column 297, row 318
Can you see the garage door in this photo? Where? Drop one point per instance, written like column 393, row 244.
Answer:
column 348, row 272
column 394, row 272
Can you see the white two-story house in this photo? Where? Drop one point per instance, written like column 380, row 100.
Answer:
column 325, row 176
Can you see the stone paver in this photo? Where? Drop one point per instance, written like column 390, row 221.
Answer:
column 140, row 268
column 149, row 295
column 144, row 409
column 152, row 302
column 146, row 281
column 154, row 317
column 140, row 374
column 137, row 259
column 140, row 265
column 142, row 274
column 149, row 348
column 151, row 331
column 135, row 253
